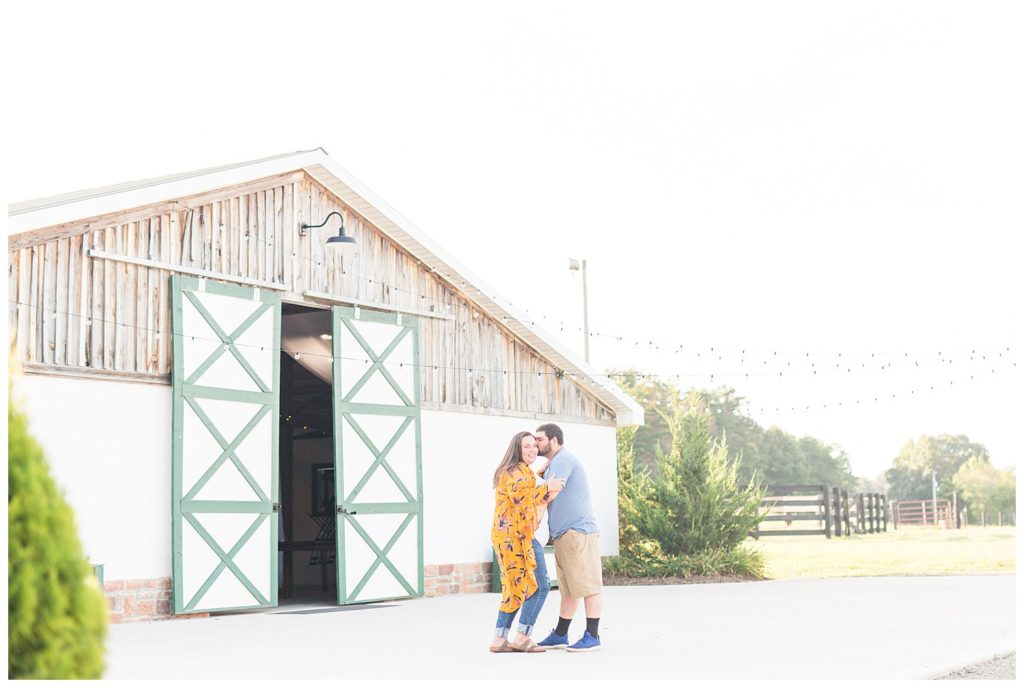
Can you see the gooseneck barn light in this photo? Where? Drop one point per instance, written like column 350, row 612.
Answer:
column 334, row 240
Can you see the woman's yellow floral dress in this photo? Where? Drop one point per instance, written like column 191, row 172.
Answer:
column 515, row 520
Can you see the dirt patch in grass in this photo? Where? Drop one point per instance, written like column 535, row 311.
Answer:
column 675, row 580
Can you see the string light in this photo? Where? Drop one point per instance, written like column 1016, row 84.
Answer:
column 585, row 381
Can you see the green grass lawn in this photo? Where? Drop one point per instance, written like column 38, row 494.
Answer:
column 910, row 551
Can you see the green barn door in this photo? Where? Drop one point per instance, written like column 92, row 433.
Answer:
column 225, row 404
column 377, row 455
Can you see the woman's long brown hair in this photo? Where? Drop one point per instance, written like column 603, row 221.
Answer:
column 513, row 455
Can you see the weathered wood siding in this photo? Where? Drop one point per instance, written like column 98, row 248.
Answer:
column 68, row 310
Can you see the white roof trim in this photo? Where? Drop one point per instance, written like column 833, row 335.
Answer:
column 54, row 210
column 41, row 213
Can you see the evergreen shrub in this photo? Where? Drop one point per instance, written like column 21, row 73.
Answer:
column 57, row 617
column 690, row 517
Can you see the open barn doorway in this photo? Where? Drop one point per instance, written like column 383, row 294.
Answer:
column 308, row 557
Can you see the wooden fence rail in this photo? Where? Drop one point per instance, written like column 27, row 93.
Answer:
column 832, row 508
column 871, row 512
column 790, row 503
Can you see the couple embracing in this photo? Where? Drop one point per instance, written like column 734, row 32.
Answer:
column 519, row 506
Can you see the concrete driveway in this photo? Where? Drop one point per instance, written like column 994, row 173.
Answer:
column 843, row 628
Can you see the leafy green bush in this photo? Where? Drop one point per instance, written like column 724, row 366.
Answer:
column 56, row 614
column 984, row 488
column 692, row 517
column 648, row 562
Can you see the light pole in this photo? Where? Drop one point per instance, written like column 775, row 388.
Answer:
column 576, row 265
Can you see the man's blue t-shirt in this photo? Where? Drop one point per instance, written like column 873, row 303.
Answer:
column 571, row 509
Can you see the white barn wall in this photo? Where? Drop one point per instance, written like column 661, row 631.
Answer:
column 460, row 453
column 109, row 449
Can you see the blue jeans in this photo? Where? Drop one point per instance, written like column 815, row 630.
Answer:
column 531, row 607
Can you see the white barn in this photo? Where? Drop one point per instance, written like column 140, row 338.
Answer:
column 241, row 413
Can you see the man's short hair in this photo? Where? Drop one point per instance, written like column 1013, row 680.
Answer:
column 552, row 431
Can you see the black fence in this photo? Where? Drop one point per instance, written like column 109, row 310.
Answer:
column 834, row 511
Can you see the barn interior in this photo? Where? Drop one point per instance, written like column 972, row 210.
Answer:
column 308, row 560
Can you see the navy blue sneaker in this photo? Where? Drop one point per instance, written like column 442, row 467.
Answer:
column 555, row 641
column 587, row 643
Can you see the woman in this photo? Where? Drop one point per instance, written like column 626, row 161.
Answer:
column 518, row 506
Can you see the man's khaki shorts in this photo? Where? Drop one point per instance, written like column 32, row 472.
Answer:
column 578, row 564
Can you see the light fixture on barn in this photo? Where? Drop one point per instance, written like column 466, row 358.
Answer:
column 339, row 240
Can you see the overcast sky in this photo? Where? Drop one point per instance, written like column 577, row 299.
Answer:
column 787, row 183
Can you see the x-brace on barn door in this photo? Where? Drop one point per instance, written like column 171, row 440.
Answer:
column 225, row 378
column 378, row 477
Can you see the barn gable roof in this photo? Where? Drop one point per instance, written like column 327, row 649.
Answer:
column 46, row 212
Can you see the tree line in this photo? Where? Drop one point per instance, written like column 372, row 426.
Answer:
column 766, row 456
column 955, row 464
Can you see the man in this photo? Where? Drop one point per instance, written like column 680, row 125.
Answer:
column 577, row 559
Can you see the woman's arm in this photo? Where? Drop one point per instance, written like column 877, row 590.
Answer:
column 552, row 487
column 521, row 487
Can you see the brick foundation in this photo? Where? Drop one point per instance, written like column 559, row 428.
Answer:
column 141, row 599
column 149, row 599
column 445, row 579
